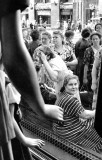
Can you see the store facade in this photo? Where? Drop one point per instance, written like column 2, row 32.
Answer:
column 53, row 13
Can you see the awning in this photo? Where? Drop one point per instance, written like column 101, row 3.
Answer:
column 66, row 6
column 44, row 13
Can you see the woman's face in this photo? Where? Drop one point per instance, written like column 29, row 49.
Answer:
column 57, row 39
column 99, row 29
column 72, row 86
column 45, row 40
column 95, row 40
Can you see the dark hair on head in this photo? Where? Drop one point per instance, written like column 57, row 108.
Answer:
column 47, row 34
column 37, row 67
column 59, row 33
column 89, row 28
column 47, row 51
column 95, row 33
column 35, row 34
column 69, row 33
column 97, row 25
column 67, row 78
column 85, row 33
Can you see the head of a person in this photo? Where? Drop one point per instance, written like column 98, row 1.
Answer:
column 58, row 38
column 95, row 38
column 70, row 84
column 85, row 33
column 101, row 20
column 98, row 28
column 47, row 51
column 41, row 30
column 35, row 34
column 45, row 38
column 69, row 34
column 25, row 33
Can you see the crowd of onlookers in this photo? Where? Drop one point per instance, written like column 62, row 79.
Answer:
column 68, row 75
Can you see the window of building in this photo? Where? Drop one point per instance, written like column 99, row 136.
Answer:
column 47, row 1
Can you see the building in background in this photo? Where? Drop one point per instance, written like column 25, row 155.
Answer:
column 54, row 13
column 27, row 16
column 100, row 8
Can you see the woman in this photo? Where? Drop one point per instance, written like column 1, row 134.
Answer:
column 96, row 76
column 78, row 122
column 98, row 28
column 89, row 57
column 55, row 67
column 45, row 40
column 65, row 53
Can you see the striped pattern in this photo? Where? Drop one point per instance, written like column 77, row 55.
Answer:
column 73, row 128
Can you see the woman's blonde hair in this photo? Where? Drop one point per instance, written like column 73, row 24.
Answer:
column 67, row 78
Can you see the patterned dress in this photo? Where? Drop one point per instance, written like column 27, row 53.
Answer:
column 89, row 60
column 73, row 128
column 66, row 54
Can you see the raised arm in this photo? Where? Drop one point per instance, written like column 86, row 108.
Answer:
column 20, row 67
column 17, row 61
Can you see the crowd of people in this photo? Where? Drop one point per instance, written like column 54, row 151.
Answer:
column 49, row 72
column 76, row 68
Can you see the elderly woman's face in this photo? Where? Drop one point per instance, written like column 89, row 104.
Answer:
column 72, row 86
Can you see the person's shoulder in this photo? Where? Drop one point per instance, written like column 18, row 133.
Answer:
column 79, row 41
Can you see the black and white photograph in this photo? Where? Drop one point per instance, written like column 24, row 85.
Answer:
column 50, row 79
